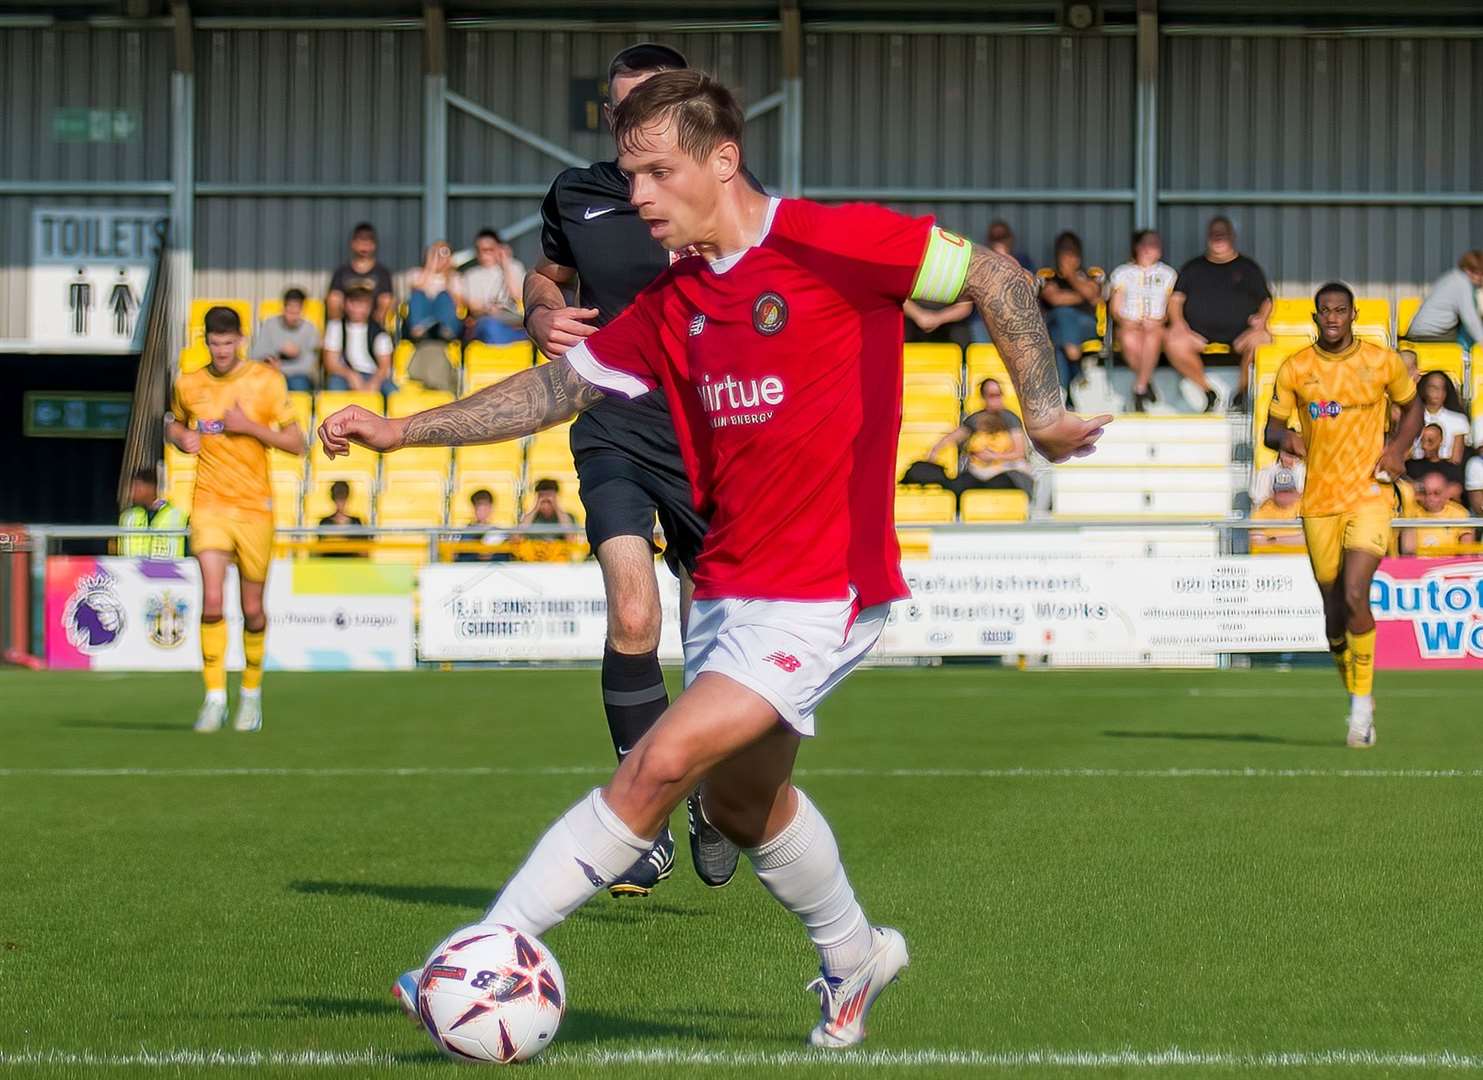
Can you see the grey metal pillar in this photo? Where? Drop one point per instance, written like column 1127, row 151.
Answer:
column 792, row 108
column 434, row 124
column 182, row 177
column 1146, row 134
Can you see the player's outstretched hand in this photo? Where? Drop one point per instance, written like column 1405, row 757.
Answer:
column 1070, row 436
column 557, row 329
column 361, row 427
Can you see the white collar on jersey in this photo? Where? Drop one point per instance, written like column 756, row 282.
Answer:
column 726, row 262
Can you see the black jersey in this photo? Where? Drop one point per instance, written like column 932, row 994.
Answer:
column 588, row 224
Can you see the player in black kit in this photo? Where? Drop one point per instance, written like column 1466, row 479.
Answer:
column 628, row 460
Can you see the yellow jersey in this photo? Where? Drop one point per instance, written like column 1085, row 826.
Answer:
column 1341, row 402
column 232, row 470
column 1438, row 540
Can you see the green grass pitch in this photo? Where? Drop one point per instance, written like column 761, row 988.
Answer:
column 1098, row 874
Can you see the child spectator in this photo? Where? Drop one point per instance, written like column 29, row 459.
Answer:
column 1140, row 306
column 357, row 351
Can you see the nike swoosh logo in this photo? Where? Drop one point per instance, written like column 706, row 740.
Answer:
column 590, row 213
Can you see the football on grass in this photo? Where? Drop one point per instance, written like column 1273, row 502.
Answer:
column 491, row 993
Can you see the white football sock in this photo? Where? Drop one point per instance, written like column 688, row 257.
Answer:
column 216, row 697
column 246, row 693
column 1361, row 707
column 801, row 868
column 586, row 848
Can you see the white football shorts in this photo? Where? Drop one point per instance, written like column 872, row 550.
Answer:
column 790, row 652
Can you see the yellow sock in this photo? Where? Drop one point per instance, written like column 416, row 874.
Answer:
column 1362, row 663
column 252, row 654
column 1339, row 650
column 214, row 655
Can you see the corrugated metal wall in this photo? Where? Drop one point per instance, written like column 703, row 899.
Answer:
column 314, row 107
column 1379, row 115
column 47, row 70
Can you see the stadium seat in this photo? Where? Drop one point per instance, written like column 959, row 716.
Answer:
column 195, row 329
column 1155, row 439
column 194, row 357
column 916, row 440
column 931, row 399
column 500, row 360
column 498, row 482
column 317, row 501
column 329, row 401
column 1292, row 316
column 302, row 403
column 994, row 505
column 1162, row 492
column 412, row 502
column 313, row 310
column 401, row 357
column 932, row 358
column 549, row 453
column 178, row 462
column 288, row 496
column 490, row 457
column 415, row 398
column 924, row 505
column 1372, row 320
column 1475, row 395
column 984, row 362
column 424, row 460
column 1444, row 356
column 1405, row 310
column 180, row 477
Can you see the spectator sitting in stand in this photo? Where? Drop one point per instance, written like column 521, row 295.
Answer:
column 993, row 445
column 1283, row 505
column 1443, row 408
column 339, row 495
column 492, row 288
column 1430, row 501
column 147, row 510
column 1473, row 483
column 363, row 271
column 1069, row 299
column 1140, row 307
column 1432, row 461
column 432, row 318
column 482, row 529
column 1264, row 479
column 547, row 510
column 1221, row 297
column 290, row 343
column 357, row 351
column 1450, row 311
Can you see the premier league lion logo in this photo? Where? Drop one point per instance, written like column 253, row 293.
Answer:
column 94, row 616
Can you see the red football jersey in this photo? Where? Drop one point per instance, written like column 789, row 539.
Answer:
column 782, row 365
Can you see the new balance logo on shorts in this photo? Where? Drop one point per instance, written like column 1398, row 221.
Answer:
column 788, row 663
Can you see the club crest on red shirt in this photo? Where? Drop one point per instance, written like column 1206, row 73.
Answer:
column 769, row 314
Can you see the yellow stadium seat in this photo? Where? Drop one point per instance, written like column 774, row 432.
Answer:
column 317, row 501
column 302, row 403
column 313, row 310
column 932, row 358
column 994, row 505
column 1372, row 319
column 1405, row 310
column 415, row 399
column 180, row 489
column 329, row 401
column 288, row 492
column 178, row 462
column 415, row 459
column 194, row 357
column 1444, row 356
column 1477, row 388
column 401, row 356
column 1292, row 316
column 984, row 362
column 499, row 483
column 916, row 440
column 412, row 503
column 549, row 453
column 490, row 457
column 924, row 505
column 195, row 328
column 930, row 399
column 501, row 360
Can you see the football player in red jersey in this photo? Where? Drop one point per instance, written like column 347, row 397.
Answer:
column 778, row 345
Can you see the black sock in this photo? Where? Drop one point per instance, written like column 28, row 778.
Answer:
column 633, row 695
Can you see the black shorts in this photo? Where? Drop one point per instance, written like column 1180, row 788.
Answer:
column 622, row 497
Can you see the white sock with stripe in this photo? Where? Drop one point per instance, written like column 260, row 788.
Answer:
column 801, row 868
column 586, row 848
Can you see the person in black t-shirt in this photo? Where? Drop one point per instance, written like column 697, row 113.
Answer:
column 363, row 271
column 340, row 496
column 1221, row 298
column 627, row 455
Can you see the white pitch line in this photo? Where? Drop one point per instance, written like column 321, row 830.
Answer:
column 604, row 770
column 1171, row 1057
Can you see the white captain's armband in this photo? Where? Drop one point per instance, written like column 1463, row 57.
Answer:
column 944, row 268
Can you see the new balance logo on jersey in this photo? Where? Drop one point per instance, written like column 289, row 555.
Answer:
column 697, row 324
column 790, row 664
column 589, row 213
column 727, row 400
column 1319, row 409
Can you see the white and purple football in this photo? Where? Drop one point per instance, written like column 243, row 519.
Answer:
column 490, row 993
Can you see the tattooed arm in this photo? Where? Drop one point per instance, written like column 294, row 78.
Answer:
column 1002, row 291
column 520, row 405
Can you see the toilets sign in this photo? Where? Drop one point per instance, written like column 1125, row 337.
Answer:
column 89, row 269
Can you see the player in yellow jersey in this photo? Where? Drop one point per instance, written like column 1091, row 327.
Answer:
column 1341, row 390
column 230, row 413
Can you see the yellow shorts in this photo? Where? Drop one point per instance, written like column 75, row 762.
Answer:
column 1365, row 528
column 247, row 537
